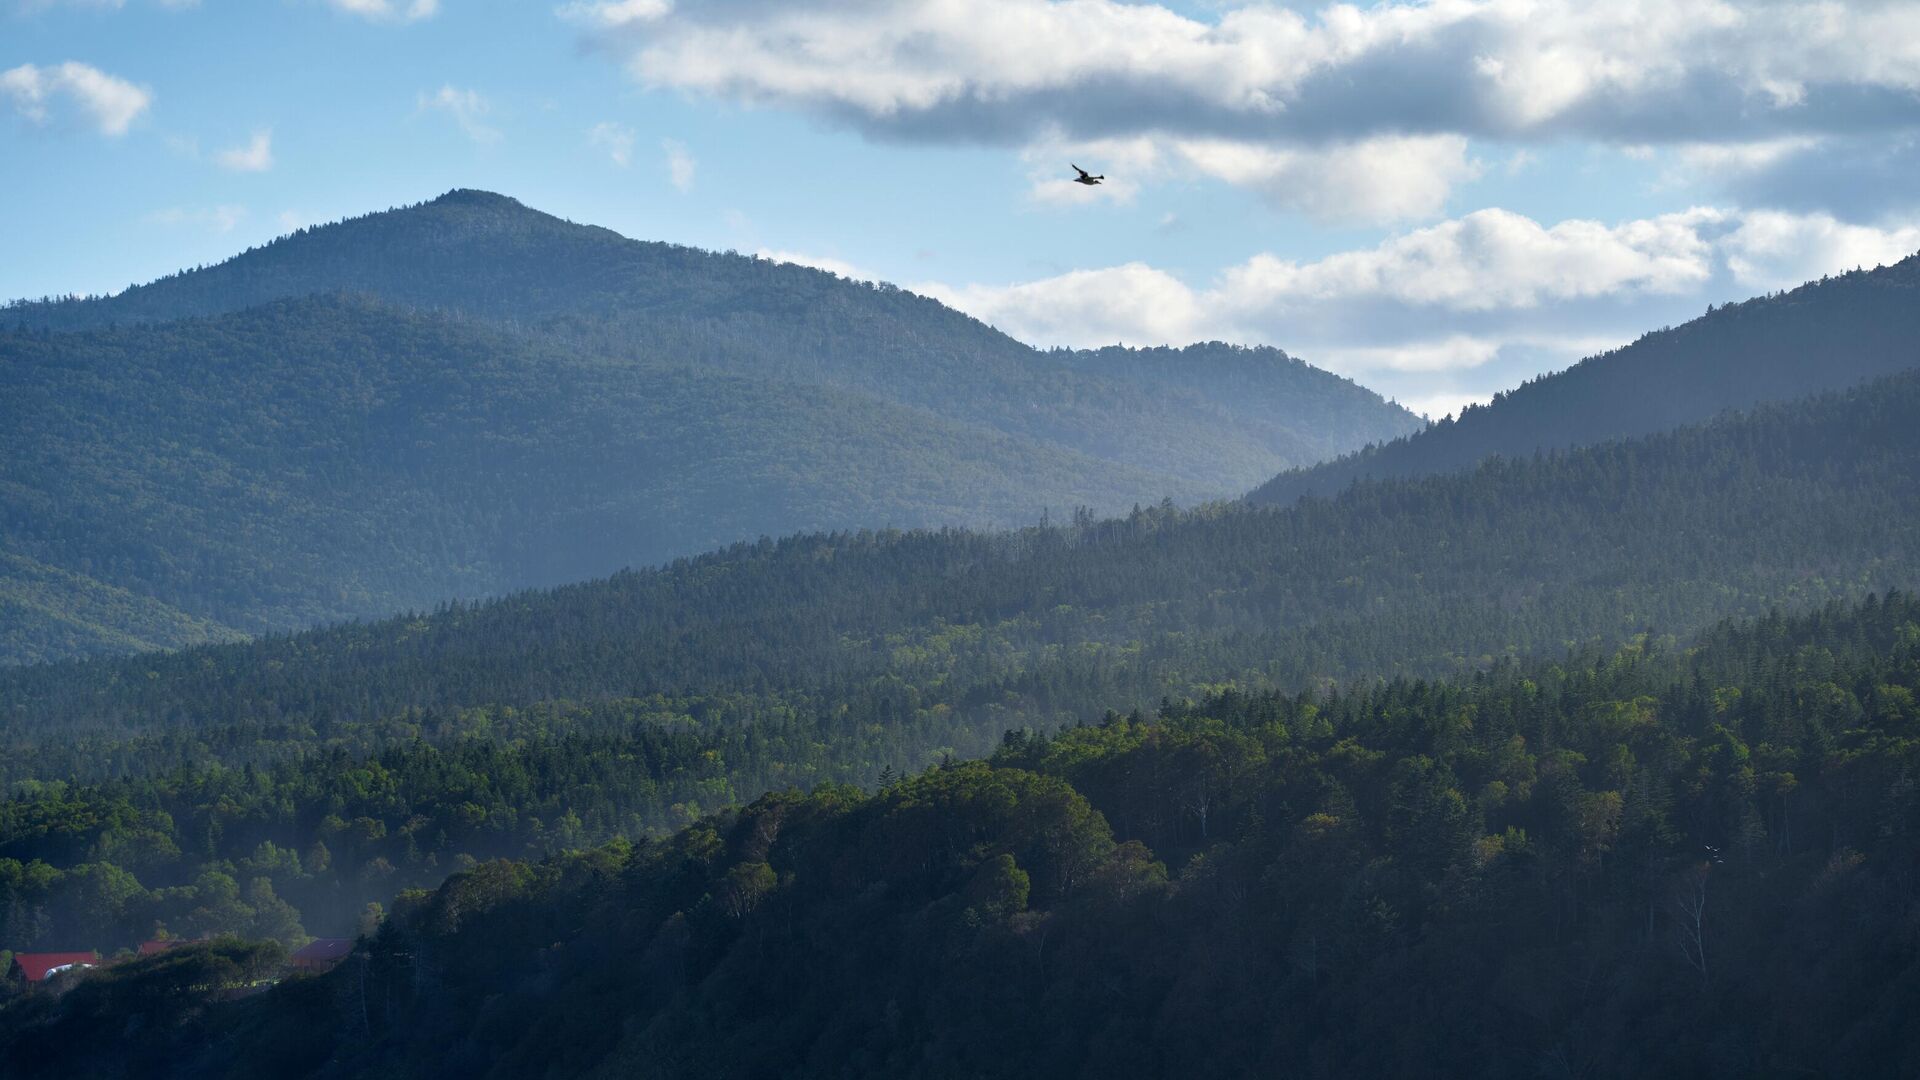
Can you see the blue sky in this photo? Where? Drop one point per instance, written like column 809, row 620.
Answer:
column 1438, row 199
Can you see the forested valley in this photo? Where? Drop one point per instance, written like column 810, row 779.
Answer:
column 283, row 785
column 1651, row 861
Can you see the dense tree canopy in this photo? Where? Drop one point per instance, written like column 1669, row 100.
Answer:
column 330, row 769
column 510, row 400
column 1651, row 862
column 1515, row 770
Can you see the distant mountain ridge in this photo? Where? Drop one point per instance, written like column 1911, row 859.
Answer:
column 1824, row 335
column 488, row 257
column 955, row 635
column 468, row 397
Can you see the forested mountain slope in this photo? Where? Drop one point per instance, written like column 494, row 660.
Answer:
column 1824, row 335
column 328, row 458
column 645, row 400
column 491, row 258
column 835, row 655
column 1653, row 863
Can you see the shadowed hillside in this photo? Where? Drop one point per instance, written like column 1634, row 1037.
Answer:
column 1826, row 335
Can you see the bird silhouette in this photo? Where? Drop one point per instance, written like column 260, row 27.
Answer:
column 1083, row 178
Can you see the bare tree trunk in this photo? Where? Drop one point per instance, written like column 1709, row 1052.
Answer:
column 1689, row 904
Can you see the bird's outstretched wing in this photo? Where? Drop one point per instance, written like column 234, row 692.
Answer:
column 1078, row 169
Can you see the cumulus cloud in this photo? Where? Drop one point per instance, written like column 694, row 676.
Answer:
column 1133, row 303
column 467, row 108
column 1465, row 66
column 388, row 10
column 1775, row 250
column 1264, row 96
column 255, row 156
column 1385, row 179
column 1389, row 178
column 1453, row 311
column 1496, row 259
column 111, row 104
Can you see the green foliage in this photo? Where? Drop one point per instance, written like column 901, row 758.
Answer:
column 343, row 766
column 1643, row 896
column 509, row 400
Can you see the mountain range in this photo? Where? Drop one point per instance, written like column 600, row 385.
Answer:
column 467, row 397
column 1575, row 736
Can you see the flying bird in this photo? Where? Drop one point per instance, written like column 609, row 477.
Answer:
column 1083, row 178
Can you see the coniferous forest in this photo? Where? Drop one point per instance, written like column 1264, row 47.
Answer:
column 467, row 397
column 1653, row 861
column 635, row 661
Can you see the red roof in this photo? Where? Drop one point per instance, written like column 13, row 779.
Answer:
column 148, row 948
column 323, row 950
column 36, row 966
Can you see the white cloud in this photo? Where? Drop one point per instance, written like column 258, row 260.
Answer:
column 1455, row 352
column 615, row 139
column 1495, row 259
column 1378, row 180
column 1133, row 303
column 388, row 10
column 1351, row 112
column 680, row 164
column 610, row 14
column 1488, row 298
column 468, row 109
column 111, row 103
column 1444, row 403
column 255, row 156
column 1722, row 158
column 1773, row 250
column 1389, row 178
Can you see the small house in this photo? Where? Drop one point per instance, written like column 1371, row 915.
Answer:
column 37, row 968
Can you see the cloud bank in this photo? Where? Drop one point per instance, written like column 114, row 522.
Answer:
column 1356, row 113
column 1454, row 311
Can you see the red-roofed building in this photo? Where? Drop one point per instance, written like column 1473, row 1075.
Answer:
column 36, row 967
column 321, row 954
column 149, row 948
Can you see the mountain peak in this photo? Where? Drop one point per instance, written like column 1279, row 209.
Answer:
column 477, row 197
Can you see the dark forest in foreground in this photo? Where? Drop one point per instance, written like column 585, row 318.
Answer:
column 1650, row 863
